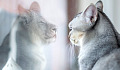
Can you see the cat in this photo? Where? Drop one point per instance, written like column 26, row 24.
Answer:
column 30, row 33
column 100, row 41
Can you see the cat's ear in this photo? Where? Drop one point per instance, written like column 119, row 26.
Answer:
column 90, row 14
column 21, row 10
column 35, row 6
column 99, row 5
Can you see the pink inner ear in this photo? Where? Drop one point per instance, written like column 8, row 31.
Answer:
column 35, row 7
column 21, row 9
column 91, row 13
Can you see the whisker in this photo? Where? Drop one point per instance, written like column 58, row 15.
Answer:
column 72, row 56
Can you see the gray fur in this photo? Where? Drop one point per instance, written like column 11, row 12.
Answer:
column 4, row 51
column 109, row 62
column 100, row 39
column 32, row 34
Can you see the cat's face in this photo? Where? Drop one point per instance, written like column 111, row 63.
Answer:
column 75, row 37
column 36, row 26
column 85, row 20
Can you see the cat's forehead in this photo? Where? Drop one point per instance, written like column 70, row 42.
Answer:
column 37, row 16
column 33, row 15
column 78, row 14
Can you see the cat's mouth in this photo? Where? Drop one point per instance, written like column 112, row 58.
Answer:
column 54, row 36
column 75, row 37
column 50, row 38
column 75, row 42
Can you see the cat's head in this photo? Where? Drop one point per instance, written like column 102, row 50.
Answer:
column 34, row 25
column 85, row 20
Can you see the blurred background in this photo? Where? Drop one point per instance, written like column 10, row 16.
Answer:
column 59, row 12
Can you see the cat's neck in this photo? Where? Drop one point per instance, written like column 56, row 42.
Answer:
column 103, row 26
column 20, row 41
column 25, row 42
column 29, row 50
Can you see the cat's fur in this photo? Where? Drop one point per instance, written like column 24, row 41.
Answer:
column 75, row 37
column 28, row 36
column 99, row 42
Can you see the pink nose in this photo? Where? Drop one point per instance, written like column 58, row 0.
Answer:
column 54, row 29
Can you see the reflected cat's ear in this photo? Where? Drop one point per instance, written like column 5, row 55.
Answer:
column 90, row 14
column 99, row 5
column 35, row 7
column 21, row 10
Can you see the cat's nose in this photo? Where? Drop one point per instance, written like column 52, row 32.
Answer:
column 54, row 29
column 70, row 26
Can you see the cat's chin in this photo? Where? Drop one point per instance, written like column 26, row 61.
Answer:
column 75, row 43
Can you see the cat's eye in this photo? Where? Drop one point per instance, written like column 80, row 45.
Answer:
column 41, row 22
column 23, row 20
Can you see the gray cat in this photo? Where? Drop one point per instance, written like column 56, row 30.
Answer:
column 99, row 44
column 27, row 38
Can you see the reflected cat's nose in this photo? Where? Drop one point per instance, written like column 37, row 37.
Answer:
column 54, row 29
